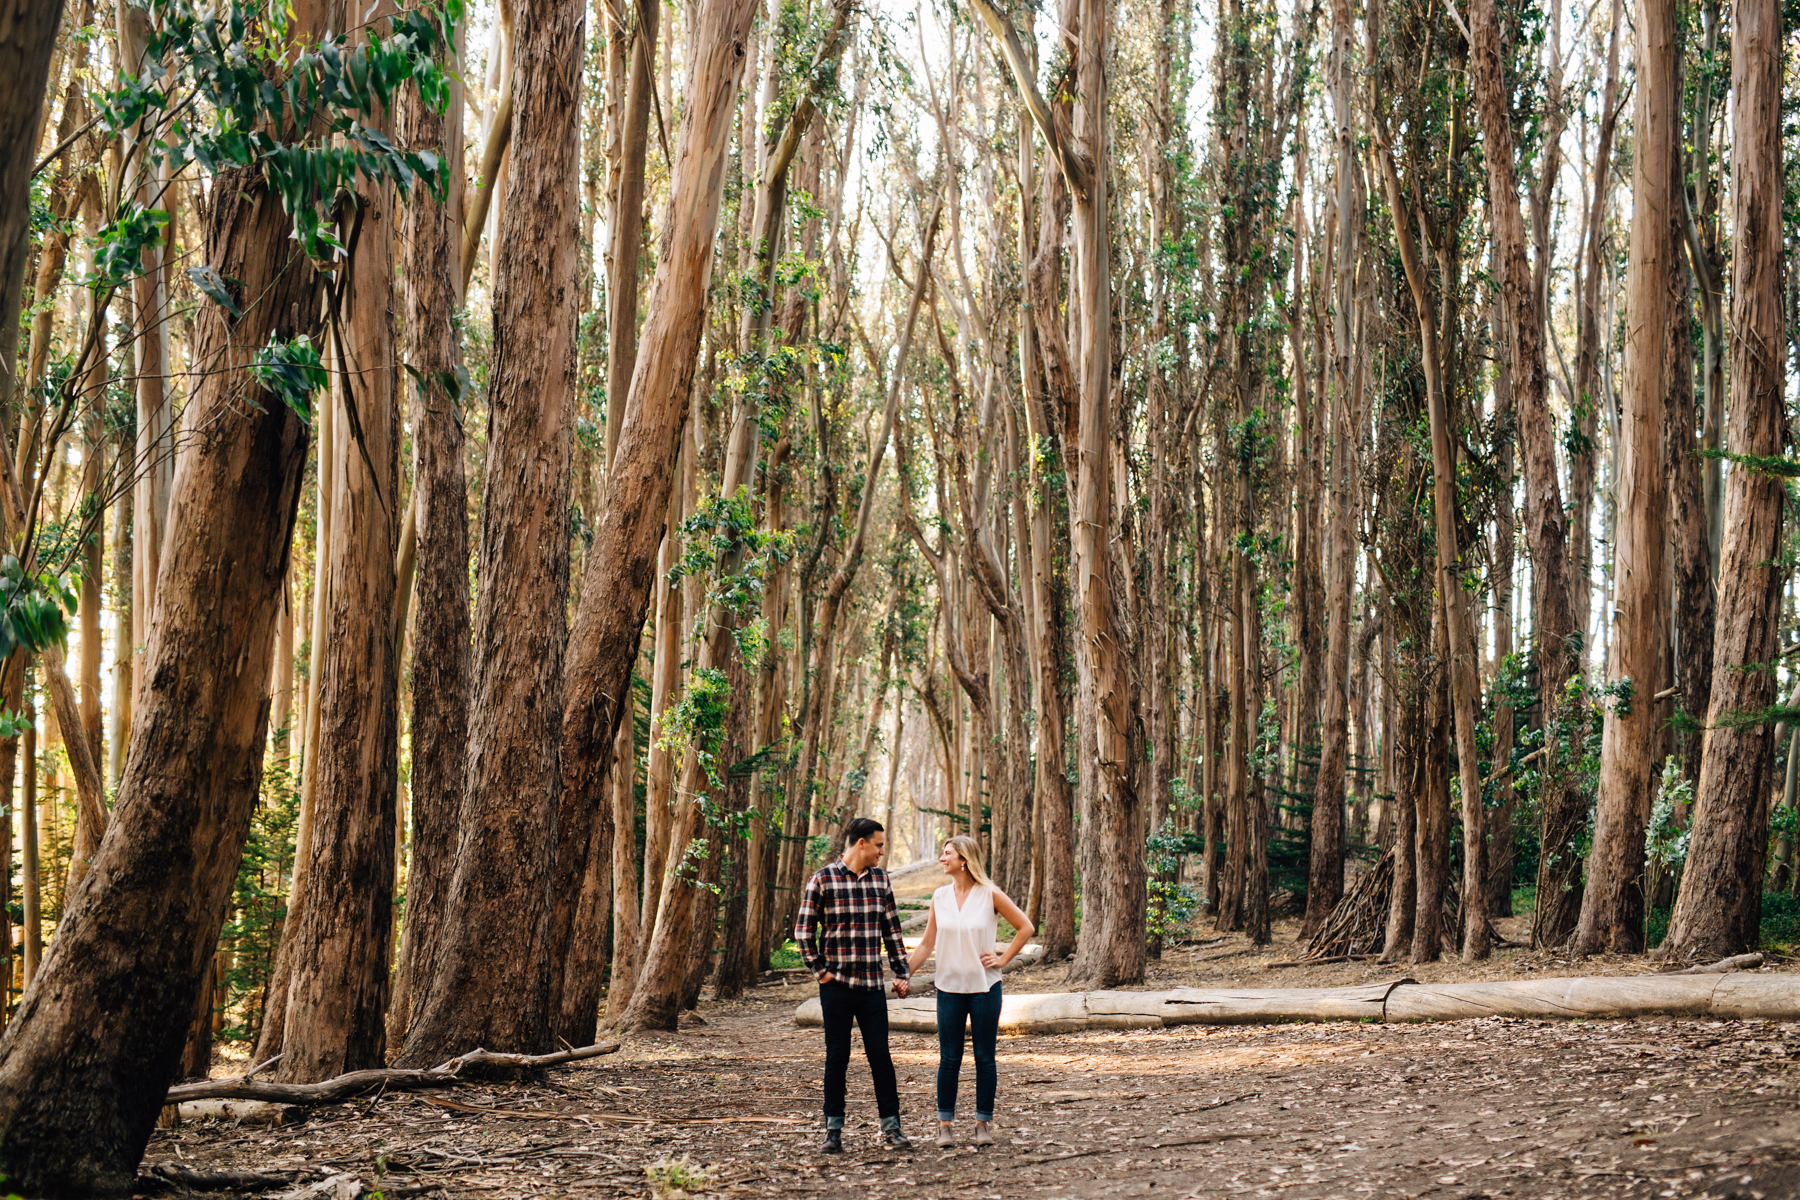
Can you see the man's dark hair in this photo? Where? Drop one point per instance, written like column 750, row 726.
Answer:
column 857, row 830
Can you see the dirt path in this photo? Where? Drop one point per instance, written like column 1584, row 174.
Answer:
column 1482, row 1109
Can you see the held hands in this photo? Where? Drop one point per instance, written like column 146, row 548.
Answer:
column 902, row 987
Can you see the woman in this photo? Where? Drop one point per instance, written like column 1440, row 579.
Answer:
column 961, row 928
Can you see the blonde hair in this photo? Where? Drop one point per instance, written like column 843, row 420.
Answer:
column 970, row 850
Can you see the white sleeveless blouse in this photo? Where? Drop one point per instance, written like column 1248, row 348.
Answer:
column 963, row 934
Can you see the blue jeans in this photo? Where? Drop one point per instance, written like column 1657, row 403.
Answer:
column 981, row 1011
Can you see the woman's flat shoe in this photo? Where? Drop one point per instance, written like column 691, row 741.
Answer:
column 944, row 1140
column 982, row 1136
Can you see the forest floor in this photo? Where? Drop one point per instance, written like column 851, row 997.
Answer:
column 728, row 1106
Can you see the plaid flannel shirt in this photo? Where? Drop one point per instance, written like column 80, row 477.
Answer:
column 843, row 922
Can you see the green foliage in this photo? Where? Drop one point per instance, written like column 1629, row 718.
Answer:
column 696, row 722
column 259, row 894
column 1172, row 904
column 34, row 607
column 119, row 248
column 674, row 1178
column 1780, row 922
column 1666, row 838
column 722, row 539
column 230, row 87
column 786, row 957
column 291, row 370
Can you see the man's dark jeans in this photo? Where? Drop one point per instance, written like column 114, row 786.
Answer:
column 841, row 1004
column 980, row 1011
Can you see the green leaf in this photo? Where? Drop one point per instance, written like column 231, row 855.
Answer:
column 208, row 280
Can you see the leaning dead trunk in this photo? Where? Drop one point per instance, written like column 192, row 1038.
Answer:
column 1720, row 907
column 491, row 983
column 131, row 949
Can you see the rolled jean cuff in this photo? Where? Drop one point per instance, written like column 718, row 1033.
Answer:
column 890, row 1124
column 981, row 1116
column 834, row 1122
column 946, row 1116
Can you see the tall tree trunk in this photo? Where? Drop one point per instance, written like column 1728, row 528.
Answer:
column 659, row 785
column 140, row 932
column 1554, row 630
column 1325, row 875
column 441, row 667
column 1719, row 909
column 26, row 44
column 614, row 828
column 491, row 982
column 618, row 578
column 1588, row 333
column 154, row 458
column 1612, row 907
column 269, row 1039
column 342, row 944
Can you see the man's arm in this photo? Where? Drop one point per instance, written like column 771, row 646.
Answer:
column 806, row 922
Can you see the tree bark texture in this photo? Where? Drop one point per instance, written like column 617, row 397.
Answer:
column 27, row 38
column 620, row 572
column 491, row 982
column 341, row 945
column 1557, row 637
column 1325, row 873
column 441, row 666
column 1612, row 907
column 96, row 1040
column 1720, row 905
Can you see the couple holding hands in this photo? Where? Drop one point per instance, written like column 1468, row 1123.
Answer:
column 845, row 922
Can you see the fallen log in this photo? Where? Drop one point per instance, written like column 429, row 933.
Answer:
column 1726, row 996
column 1076, row 1012
column 356, row 1083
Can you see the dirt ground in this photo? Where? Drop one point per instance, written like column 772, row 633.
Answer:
column 1475, row 1109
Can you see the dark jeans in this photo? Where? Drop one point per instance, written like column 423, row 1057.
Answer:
column 981, row 1011
column 841, row 1004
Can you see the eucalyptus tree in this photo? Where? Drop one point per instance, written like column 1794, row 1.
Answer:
column 120, row 980
column 1720, row 905
column 490, row 984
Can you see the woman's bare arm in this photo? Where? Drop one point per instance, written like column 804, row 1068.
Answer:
column 1021, row 924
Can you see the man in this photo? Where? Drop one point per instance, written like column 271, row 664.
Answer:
column 846, row 918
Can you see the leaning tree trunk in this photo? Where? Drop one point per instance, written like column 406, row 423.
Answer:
column 440, row 669
column 490, row 985
column 617, row 581
column 94, row 1044
column 1719, row 909
column 1612, row 907
column 340, row 947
